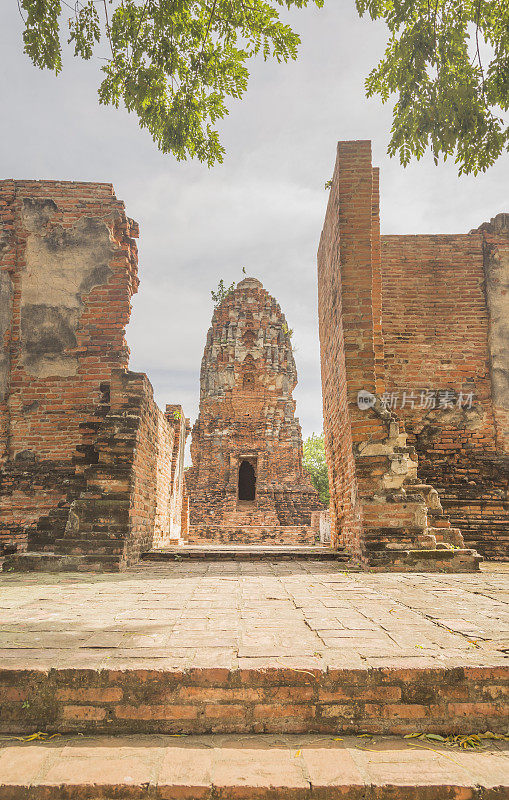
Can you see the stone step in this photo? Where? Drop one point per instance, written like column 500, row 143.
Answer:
column 90, row 547
column 440, row 559
column 246, row 553
column 251, row 768
column 261, row 697
column 50, row 561
column 252, row 534
column 91, row 539
column 438, row 519
column 430, row 495
column 449, row 535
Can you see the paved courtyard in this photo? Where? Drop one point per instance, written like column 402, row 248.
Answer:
column 240, row 615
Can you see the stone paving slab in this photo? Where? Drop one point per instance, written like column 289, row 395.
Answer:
column 250, row 767
column 240, row 615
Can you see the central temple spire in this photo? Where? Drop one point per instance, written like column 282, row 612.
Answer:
column 247, row 481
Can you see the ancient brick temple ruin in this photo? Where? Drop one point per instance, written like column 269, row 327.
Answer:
column 91, row 468
column 415, row 374
column 419, row 325
column 247, row 483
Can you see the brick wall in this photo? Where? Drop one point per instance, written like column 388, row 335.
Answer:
column 436, row 325
column 496, row 268
column 69, row 263
column 156, row 492
column 381, row 700
column 68, row 269
column 127, row 504
column 402, row 313
column 350, row 329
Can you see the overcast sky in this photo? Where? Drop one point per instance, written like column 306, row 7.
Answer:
column 262, row 209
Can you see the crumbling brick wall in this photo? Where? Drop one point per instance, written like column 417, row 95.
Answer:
column 495, row 241
column 154, row 492
column 439, row 374
column 374, row 333
column 179, row 500
column 344, row 507
column 68, row 269
column 127, row 504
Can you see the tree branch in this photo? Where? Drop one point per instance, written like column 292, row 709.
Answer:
column 108, row 31
column 477, row 43
column 21, row 13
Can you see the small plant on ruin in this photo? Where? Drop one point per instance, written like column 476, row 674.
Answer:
column 177, row 415
column 327, row 184
column 316, row 465
column 221, row 292
column 287, row 330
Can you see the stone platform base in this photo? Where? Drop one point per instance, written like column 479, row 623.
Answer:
column 194, row 647
column 252, row 768
column 253, row 534
column 56, row 562
column 458, row 560
column 221, row 552
column 436, row 560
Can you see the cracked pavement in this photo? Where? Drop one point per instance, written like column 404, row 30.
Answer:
column 242, row 615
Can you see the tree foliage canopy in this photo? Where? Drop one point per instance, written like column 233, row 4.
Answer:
column 316, row 465
column 448, row 63
column 175, row 64
column 171, row 62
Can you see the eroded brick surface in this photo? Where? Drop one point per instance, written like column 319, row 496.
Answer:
column 444, row 301
column 405, row 315
column 90, row 466
column 247, row 483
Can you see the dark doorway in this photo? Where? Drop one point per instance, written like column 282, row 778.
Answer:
column 247, row 481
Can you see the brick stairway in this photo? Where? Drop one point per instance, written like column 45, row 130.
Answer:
column 404, row 524
column 252, row 534
column 234, row 680
column 245, row 523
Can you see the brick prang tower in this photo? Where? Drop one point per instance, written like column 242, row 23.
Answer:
column 247, row 483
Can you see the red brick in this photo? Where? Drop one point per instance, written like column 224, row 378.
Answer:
column 83, row 713
column 106, row 695
column 268, row 711
column 403, row 711
column 154, row 712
